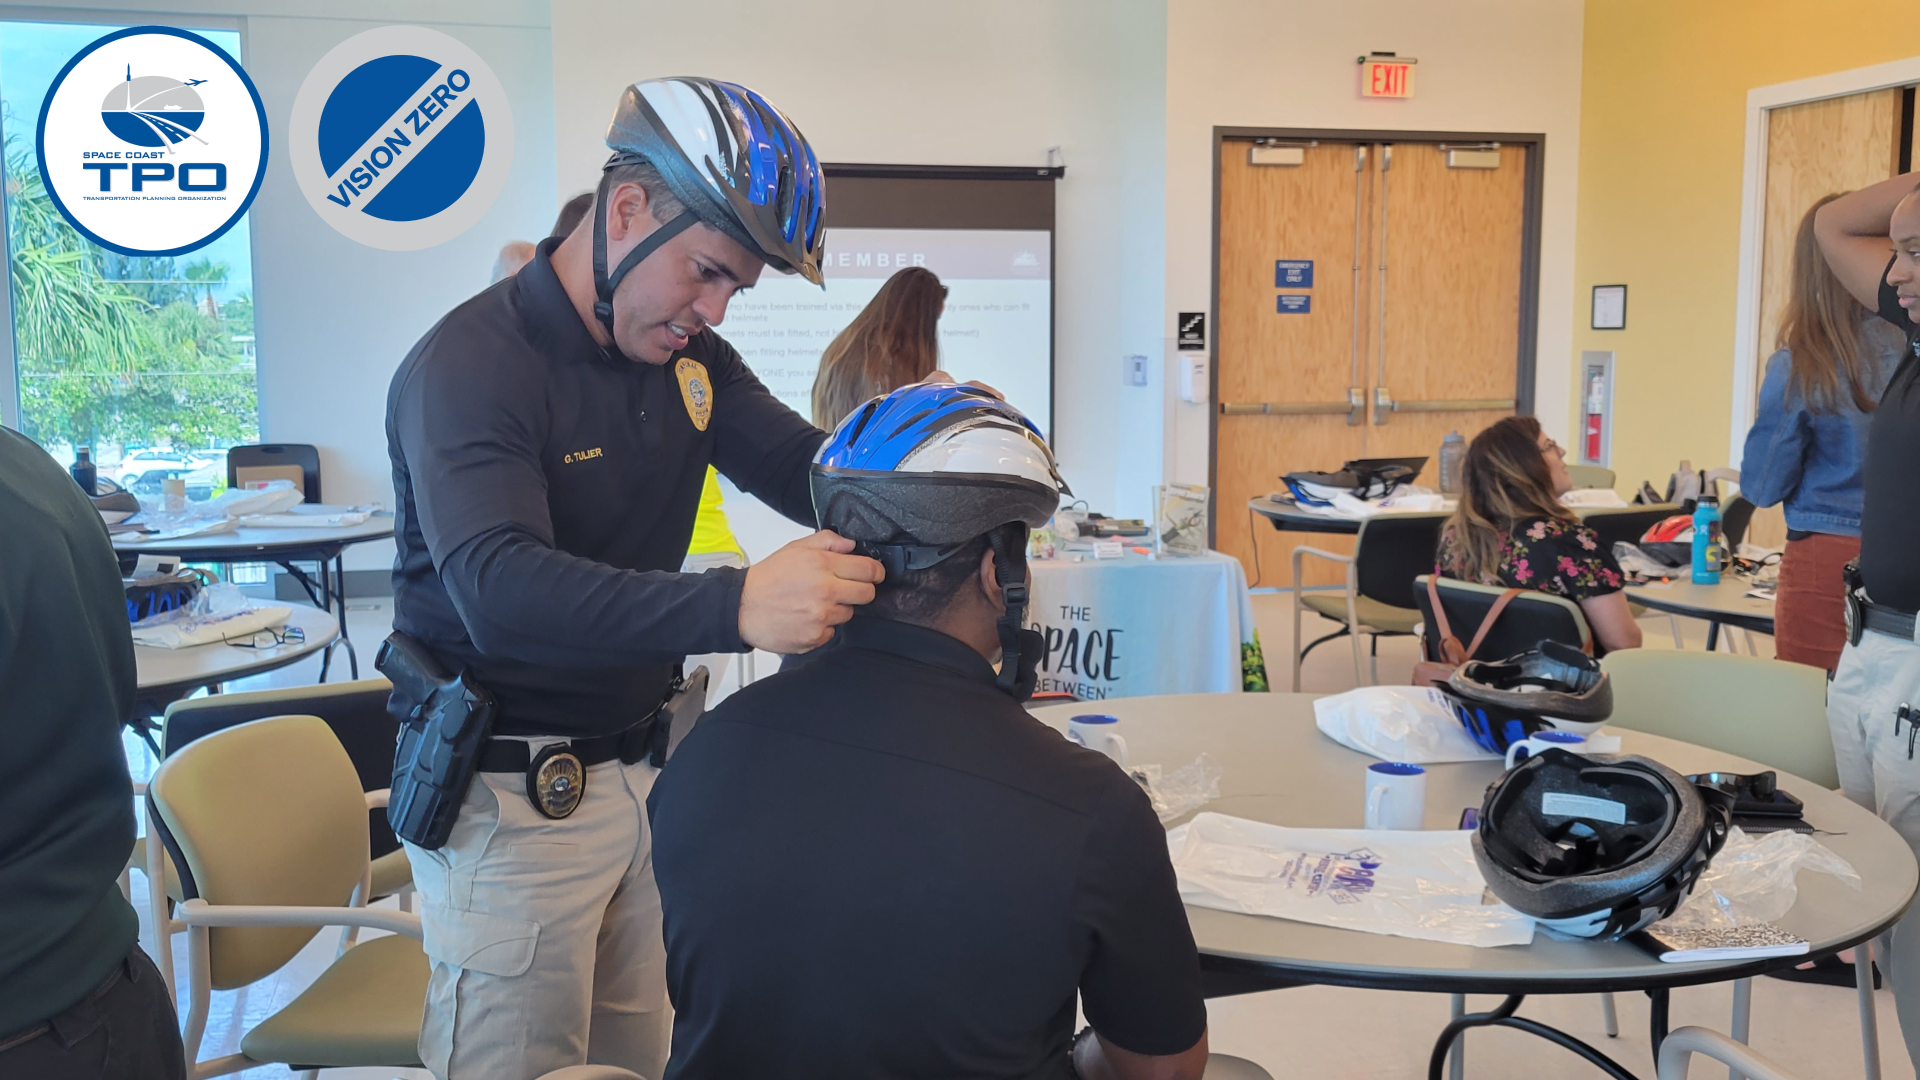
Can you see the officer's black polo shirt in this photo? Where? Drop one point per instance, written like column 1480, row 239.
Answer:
column 1890, row 515
column 878, row 865
column 546, row 493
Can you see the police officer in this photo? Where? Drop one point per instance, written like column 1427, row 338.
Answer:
column 549, row 439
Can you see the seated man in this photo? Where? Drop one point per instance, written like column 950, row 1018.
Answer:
column 877, row 864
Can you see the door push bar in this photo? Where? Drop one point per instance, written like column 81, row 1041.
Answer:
column 1384, row 405
column 1354, row 408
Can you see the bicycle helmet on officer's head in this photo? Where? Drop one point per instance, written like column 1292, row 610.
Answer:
column 732, row 159
column 914, row 476
column 1596, row 846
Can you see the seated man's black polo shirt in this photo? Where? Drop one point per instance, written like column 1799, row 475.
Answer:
column 878, row 865
column 546, row 494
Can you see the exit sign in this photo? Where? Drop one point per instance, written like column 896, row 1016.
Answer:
column 1386, row 76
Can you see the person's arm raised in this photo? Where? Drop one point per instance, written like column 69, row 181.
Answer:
column 1852, row 232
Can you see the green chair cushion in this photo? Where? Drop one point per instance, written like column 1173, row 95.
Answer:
column 364, row 1010
column 1374, row 615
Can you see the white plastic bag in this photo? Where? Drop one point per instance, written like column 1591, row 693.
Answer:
column 219, row 612
column 1414, row 724
column 1181, row 791
column 1752, row 879
column 1410, row 884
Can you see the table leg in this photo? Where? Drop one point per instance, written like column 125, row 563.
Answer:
column 1657, row 1018
column 1713, row 636
column 1869, row 1019
column 1457, row 1063
column 1742, row 1018
column 1610, row 1016
column 340, row 593
column 1502, row 1016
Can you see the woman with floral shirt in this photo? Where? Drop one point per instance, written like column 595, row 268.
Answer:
column 1511, row 530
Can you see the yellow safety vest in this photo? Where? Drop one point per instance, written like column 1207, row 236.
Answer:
column 710, row 531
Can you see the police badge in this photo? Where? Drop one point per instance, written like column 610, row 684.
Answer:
column 696, row 389
column 555, row 782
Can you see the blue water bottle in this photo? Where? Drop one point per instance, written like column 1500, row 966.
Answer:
column 1709, row 544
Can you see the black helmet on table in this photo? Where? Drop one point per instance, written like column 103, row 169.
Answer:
column 1502, row 702
column 1597, row 846
column 732, row 159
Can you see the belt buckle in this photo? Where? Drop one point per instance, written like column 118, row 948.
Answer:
column 556, row 781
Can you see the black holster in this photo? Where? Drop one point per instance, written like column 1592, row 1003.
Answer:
column 1856, row 598
column 440, row 741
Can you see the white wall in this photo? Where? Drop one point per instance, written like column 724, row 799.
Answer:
column 334, row 318
column 993, row 82
column 1485, row 65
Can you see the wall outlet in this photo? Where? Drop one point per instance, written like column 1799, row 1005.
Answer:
column 1136, row 370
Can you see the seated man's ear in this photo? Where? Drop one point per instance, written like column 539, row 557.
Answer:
column 990, row 583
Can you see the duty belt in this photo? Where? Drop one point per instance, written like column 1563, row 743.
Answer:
column 1889, row 621
column 514, row 755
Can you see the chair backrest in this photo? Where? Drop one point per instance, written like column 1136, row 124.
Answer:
column 1734, row 520
column 1531, row 618
column 1596, row 477
column 1629, row 524
column 264, row 813
column 1392, row 550
column 1768, row 710
column 356, row 711
column 276, row 461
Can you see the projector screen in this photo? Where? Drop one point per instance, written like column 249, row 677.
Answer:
column 997, row 327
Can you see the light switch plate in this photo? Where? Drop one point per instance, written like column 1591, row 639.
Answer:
column 1136, row 370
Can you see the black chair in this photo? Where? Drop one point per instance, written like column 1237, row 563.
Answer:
column 357, row 713
column 1735, row 519
column 1390, row 551
column 1532, row 617
column 1629, row 524
column 279, row 458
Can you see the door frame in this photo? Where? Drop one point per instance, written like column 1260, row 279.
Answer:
column 1762, row 100
column 1528, row 353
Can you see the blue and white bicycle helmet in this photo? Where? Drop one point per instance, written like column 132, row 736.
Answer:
column 915, row 475
column 732, row 159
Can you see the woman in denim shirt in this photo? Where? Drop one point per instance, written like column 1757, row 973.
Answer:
column 1808, row 443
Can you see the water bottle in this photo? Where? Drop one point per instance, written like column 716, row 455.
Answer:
column 84, row 473
column 1708, row 542
column 1453, row 451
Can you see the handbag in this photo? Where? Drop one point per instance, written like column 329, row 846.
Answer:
column 1435, row 672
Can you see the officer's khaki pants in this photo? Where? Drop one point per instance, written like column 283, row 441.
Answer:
column 544, row 935
column 1872, row 681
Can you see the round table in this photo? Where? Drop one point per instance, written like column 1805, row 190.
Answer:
column 167, row 675
column 1726, row 603
column 322, row 544
column 1280, row 769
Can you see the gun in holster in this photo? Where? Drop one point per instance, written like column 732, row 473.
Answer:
column 439, row 745
column 686, row 703
column 1856, row 600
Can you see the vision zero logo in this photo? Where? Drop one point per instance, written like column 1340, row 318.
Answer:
column 401, row 138
column 152, row 141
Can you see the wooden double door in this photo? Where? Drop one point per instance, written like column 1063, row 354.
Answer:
column 1371, row 297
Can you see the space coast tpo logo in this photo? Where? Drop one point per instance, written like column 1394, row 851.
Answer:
column 401, row 138
column 152, row 141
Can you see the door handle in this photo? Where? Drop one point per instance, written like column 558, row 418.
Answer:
column 1353, row 408
column 1384, row 405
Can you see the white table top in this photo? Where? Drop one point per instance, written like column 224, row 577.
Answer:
column 1727, row 600
column 186, row 670
column 1279, row 768
column 260, row 542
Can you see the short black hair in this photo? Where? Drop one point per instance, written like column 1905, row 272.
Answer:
column 920, row 596
column 571, row 214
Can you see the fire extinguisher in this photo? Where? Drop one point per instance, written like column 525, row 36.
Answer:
column 1594, row 406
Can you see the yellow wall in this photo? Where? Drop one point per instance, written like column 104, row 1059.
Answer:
column 1662, row 140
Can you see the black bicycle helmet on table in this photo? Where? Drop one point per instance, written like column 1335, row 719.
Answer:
column 1502, row 702
column 732, row 159
column 1596, row 846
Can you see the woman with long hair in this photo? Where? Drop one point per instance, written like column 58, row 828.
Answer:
column 1808, row 444
column 895, row 340
column 1511, row 530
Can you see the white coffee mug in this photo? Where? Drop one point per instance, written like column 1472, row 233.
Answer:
column 1396, row 795
column 1099, row 733
column 1545, row 740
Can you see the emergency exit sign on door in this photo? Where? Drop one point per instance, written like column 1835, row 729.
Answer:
column 1386, row 76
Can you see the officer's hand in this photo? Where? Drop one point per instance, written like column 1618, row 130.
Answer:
column 795, row 597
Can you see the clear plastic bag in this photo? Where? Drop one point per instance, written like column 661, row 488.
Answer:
column 1415, row 724
column 1752, row 879
column 1182, row 791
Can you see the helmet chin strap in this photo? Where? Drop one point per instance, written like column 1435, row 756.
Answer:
column 1020, row 648
column 603, row 282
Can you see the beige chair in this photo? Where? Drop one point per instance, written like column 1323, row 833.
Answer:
column 356, row 711
column 1768, row 711
column 1677, row 1051
column 267, row 822
column 1390, row 551
column 1591, row 477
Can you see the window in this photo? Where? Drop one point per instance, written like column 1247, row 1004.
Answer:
column 147, row 361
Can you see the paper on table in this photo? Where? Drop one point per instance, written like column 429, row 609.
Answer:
column 187, row 632
column 1593, row 498
column 1408, row 884
column 303, row 521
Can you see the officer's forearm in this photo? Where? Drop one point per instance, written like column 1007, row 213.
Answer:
column 524, row 601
